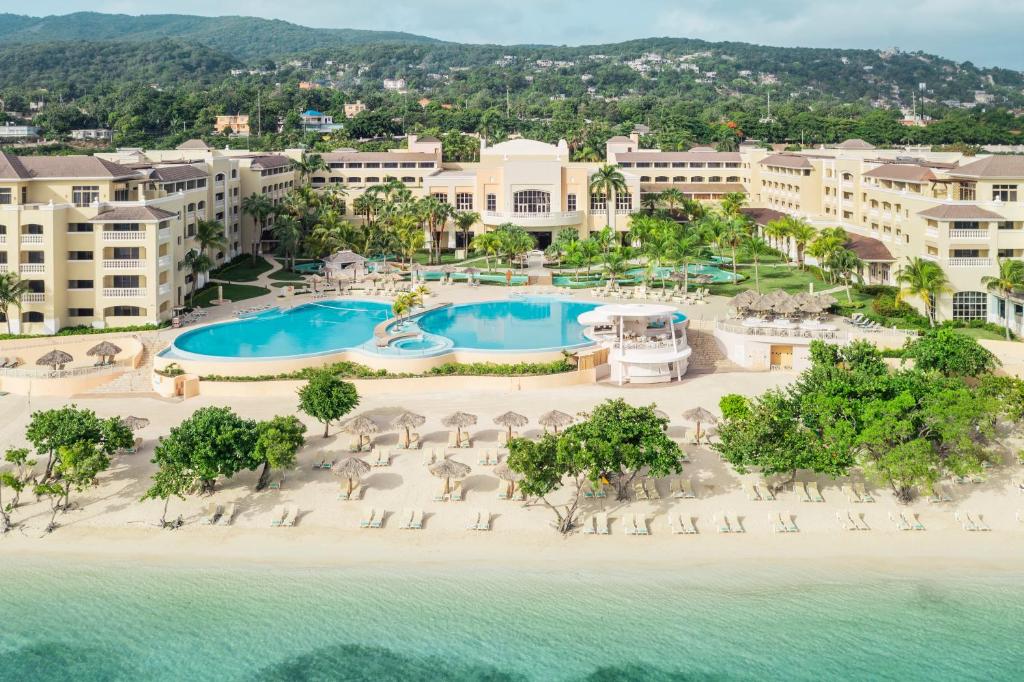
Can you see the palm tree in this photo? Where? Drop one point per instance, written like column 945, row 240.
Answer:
column 687, row 248
column 649, row 203
column 197, row 263
column 925, row 280
column 464, row 221
column 1009, row 279
column 436, row 214
column 288, row 233
column 801, row 233
column 616, row 263
column 845, row 265
column 591, row 250
column 605, row 238
column 672, row 198
column 260, row 208
column 756, row 248
column 308, row 164
column 367, row 205
column 12, row 288
column 733, row 202
column 574, row 257
column 210, row 235
column 609, row 181
column 330, row 234
column 826, row 243
column 733, row 233
column 776, row 232
column 693, row 209
column 487, row 244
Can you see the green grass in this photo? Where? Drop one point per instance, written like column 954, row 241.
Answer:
column 981, row 334
column 242, row 270
column 423, row 258
column 286, row 276
column 232, row 292
column 788, row 278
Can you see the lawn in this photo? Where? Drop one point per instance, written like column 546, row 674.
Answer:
column 788, row 278
column 242, row 270
column 981, row 334
column 232, row 292
column 423, row 257
column 286, row 276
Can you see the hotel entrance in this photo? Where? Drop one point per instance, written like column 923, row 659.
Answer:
column 781, row 357
column 543, row 239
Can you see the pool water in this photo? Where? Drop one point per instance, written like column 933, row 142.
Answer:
column 638, row 275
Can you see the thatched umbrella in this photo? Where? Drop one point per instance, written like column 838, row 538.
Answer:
column 449, row 469
column 407, row 421
column 55, row 359
column 470, row 273
column 786, row 306
column 415, row 272
column 446, row 272
column 661, row 414
column 504, row 473
column 699, row 415
column 135, row 423
column 315, row 280
column 361, row 426
column 555, row 419
column 812, row 305
column 458, row 421
column 743, row 300
column 511, row 420
column 105, row 350
column 762, row 304
column 827, row 300
column 351, row 469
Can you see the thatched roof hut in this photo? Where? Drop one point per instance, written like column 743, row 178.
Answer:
column 555, row 420
column 104, row 349
column 55, row 359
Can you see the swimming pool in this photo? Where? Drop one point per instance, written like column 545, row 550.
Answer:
column 524, row 323
column 638, row 275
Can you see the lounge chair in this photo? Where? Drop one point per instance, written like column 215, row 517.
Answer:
column 689, row 527
column 405, row 519
column 474, row 520
column 765, row 491
column 789, row 521
column 939, row 494
column 414, row 442
column 276, row 483
column 383, row 458
column 813, row 492
column 278, row 516
column 638, row 490
column 900, row 521
column 687, row 489
column 211, row 513
column 289, row 517
column 488, row 456
column 367, row 517
column 777, row 524
column 723, row 523
column 378, row 520
column 504, row 490
column 442, row 494
column 858, row 521
column 736, row 524
column 851, row 494
column 228, row 516
column 845, row 520
column 629, row 524
column 751, row 492
column 979, row 521
column 589, row 526
column 601, row 521
column 417, row 520
column 652, row 490
column 485, row 520
column 429, row 456
column 640, row 524
column 455, row 495
column 864, row 495
column 519, row 496
column 674, row 489
column 355, row 444
column 801, row 492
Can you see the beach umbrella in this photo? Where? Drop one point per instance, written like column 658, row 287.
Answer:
column 55, row 359
column 471, row 271
column 459, row 421
column 135, row 423
column 504, row 473
column 449, row 469
column 786, row 306
column 743, row 300
column 661, row 414
column 699, row 415
column 446, row 271
column 105, row 350
column 350, row 469
column 361, row 426
column 407, row 421
column 812, row 305
column 762, row 304
column 555, row 419
column 704, row 279
column 826, row 300
column 511, row 420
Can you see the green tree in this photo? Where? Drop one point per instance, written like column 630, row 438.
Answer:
column 50, row 430
column 609, row 181
column 327, row 398
column 77, row 467
column 308, row 164
column 8, row 480
column 801, row 233
column 213, row 442
column 277, row 442
column 196, row 264
column 259, row 208
column 22, row 473
column 171, row 479
column 845, row 265
column 925, row 280
column 55, row 494
column 756, row 248
column 210, row 236
column 12, row 288
column 732, row 203
column 944, row 350
column 464, row 221
column 487, row 244
column 1009, row 279
column 288, row 233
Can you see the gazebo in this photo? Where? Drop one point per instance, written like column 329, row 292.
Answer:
column 344, row 260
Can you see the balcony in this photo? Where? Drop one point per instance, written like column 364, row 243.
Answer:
column 31, row 239
column 969, row 234
column 124, row 235
column 163, row 262
column 545, row 219
column 164, row 234
column 3, row 238
column 33, row 297
column 124, row 264
column 931, row 232
column 124, row 293
column 969, row 262
column 32, row 268
column 3, row 268
column 165, row 289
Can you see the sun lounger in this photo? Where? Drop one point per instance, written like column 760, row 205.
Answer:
column 979, row 521
column 859, row 522
column 278, row 516
column 504, row 490
column 638, row 490
column 900, row 521
column 765, row 491
column 474, row 520
column 723, row 523
column 227, row 516
column 488, row 456
column 519, row 496
column 355, row 444
column 674, row 489
column 383, row 458
column 589, row 526
column 442, row 495
column 210, row 514
column 776, row 523
column 862, row 492
column 813, row 492
column 640, row 524
column 851, row 494
column 601, row 521
column 801, row 492
column 289, row 517
column 405, row 519
column 484, row 522
column 367, row 517
column 736, row 524
column 276, row 483
column 687, row 489
column 378, row 519
column 751, row 492
column 652, row 490
column 417, row 520
column 455, row 495
column 689, row 527
column 939, row 494
column 915, row 522
column 629, row 524
column 845, row 521
column 429, row 456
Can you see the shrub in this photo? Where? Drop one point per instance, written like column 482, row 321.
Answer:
column 944, row 350
column 85, row 331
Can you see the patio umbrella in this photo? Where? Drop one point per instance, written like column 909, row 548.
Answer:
column 55, row 359
column 314, row 280
column 699, row 415
column 447, row 270
column 743, row 300
column 826, row 300
column 361, row 426
column 761, row 304
column 786, row 306
column 458, row 421
column 105, row 350
column 449, row 469
column 555, row 419
column 407, row 421
column 504, row 473
column 351, row 469
column 511, row 420
column 812, row 305
column 135, row 423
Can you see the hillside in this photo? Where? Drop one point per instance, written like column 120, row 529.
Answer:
column 240, row 37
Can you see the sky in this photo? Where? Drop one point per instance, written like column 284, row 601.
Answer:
column 985, row 32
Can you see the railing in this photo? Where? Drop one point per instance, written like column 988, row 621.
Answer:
column 33, row 297
column 31, row 239
column 164, row 234
column 124, row 235
column 3, row 268
column 969, row 262
column 42, row 373
column 124, row 264
column 931, row 232
column 31, row 268
column 165, row 289
column 119, row 292
column 968, row 234
column 624, row 211
column 788, row 332
column 163, row 262
column 513, row 215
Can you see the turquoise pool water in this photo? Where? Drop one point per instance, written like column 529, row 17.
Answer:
column 309, row 267
column 525, row 324
column 521, row 623
column 499, row 278
column 637, row 275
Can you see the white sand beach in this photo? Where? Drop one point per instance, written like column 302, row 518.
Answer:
column 110, row 522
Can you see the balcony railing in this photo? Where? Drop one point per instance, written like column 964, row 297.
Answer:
column 31, row 268
column 962, row 262
column 164, row 234
column 163, row 262
column 3, row 268
column 118, row 292
column 3, row 238
column 31, row 239
column 968, row 234
column 124, row 235
column 931, row 232
column 545, row 215
column 165, row 289
column 124, row 264
column 33, row 297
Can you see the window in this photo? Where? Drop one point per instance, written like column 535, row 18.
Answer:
column 1005, row 225
column 79, row 312
column 79, row 227
column 5, row 195
column 123, row 311
column 372, row 179
column 697, row 178
column 79, row 255
column 32, row 316
column 623, row 201
column 83, row 195
column 408, row 179
column 598, row 202
column 492, row 202
column 970, row 305
column 967, row 193
column 570, row 202
column 79, row 284
column 318, row 180
column 661, row 178
column 531, row 201
column 443, row 198
column 32, row 229
column 372, row 164
column 464, row 201
column 1004, row 192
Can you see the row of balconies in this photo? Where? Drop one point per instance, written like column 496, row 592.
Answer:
column 961, row 261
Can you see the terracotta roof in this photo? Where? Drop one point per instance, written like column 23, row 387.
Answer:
column 692, row 155
column 947, row 212
column 11, row 167
column 378, row 156
column 619, row 139
column 133, row 214
column 786, row 161
column 902, row 173
column 74, row 167
column 177, row 173
column 763, row 216
column 993, row 167
column 855, row 143
column 270, row 161
column 695, row 187
column 194, row 144
column 868, row 248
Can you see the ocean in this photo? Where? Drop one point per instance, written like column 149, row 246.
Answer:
column 62, row 620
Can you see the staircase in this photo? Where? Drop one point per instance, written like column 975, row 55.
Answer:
column 707, row 357
column 134, row 381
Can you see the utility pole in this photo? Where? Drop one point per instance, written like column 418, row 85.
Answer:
column 259, row 114
column 508, row 104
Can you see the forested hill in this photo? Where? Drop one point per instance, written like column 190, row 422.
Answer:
column 240, row 37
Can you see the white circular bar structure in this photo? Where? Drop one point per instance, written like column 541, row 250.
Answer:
column 645, row 344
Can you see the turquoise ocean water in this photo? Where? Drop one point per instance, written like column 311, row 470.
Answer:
column 59, row 621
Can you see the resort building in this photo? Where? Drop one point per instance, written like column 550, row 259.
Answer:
column 314, row 121
column 237, row 125
column 354, row 109
column 11, row 131
column 100, row 134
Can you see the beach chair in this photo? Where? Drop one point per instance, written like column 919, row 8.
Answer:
column 813, row 492
column 640, row 524
column 858, row 521
column 367, row 518
column 776, row 523
column 765, row 491
column 687, row 488
column 851, row 494
column 455, row 495
column 442, row 494
column 288, row 520
column 801, row 492
column 651, row 487
column 601, row 522
column 588, row 525
column 736, row 524
column 378, row 519
column 689, row 526
column 417, row 520
column 900, row 521
column 979, row 521
column 723, row 523
column 210, row 514
column 751, row 492
column 405, row 519
column 862, row 493
column 939, row 494
column 429, row 456
column 845, row 520
column 383, row 458
column 355, row 444
column 357, row 492
column 485, row 520
column 789, row 520
column 504, row 490
column 674, row 489
column 518, row 495
column 639, row 492
column 276, row 483
column 474, row 519
column 277, row 516
column 227, row 516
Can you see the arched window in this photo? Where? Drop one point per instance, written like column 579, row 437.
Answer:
column 697, row 178
column 191, row 208
column 318, row 180
column 679, row 178
column 531, row 201
column 32, row 316
column 219, row 177
column 715, row 178
column 848, row 177
column 970, row 305
column 201, row 206
column 645, row 178
column 661, row 178
column 732, row 178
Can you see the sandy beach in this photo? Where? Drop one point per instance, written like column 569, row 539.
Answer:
column 109, row 522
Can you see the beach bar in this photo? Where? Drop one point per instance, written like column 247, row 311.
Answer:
column 646, row 344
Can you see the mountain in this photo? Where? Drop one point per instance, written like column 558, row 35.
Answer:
column 239, row 37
